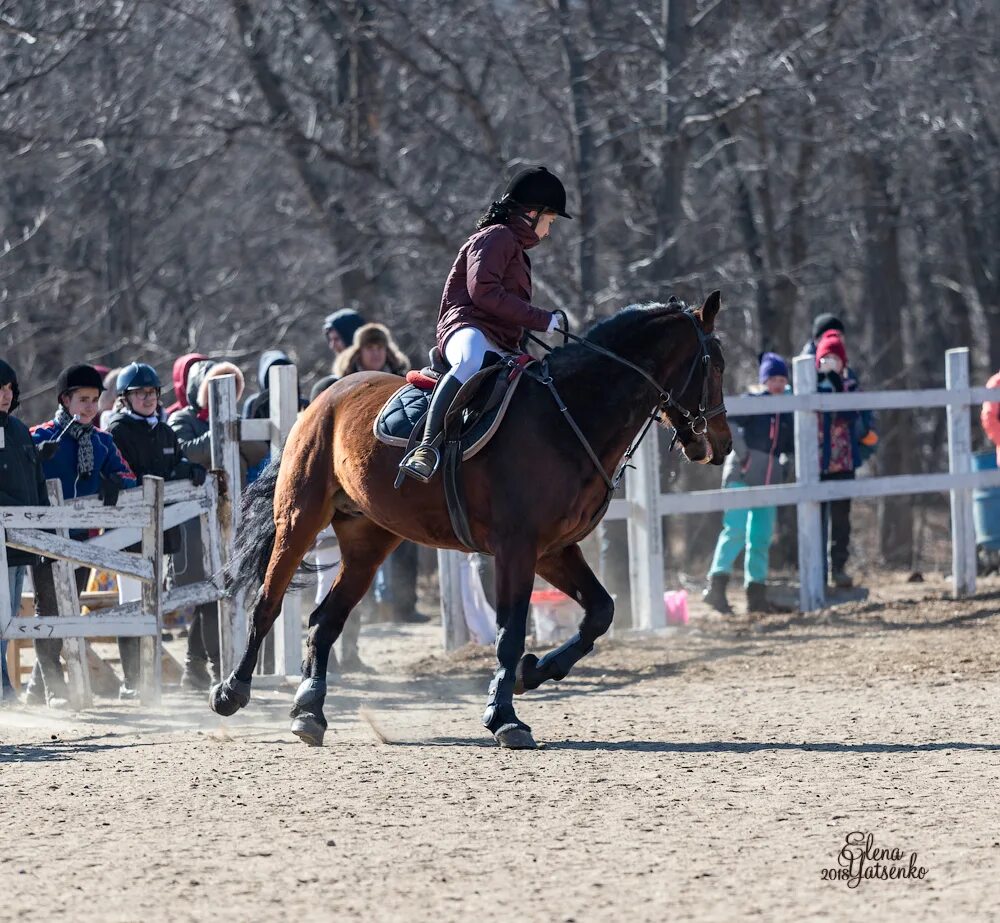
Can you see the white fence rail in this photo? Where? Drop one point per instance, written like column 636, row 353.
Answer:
column 809, row 492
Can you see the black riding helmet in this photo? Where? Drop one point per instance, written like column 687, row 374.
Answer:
column 79, row 376
column 537, row 188
column 9, row 377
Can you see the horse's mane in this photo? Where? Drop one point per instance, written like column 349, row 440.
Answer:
column 610, row 332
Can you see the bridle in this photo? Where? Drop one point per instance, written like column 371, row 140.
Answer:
column 666, row 401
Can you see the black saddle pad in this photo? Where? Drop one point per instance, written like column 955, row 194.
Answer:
column 407, row 408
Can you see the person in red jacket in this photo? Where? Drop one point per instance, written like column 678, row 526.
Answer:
column 486, row 305
column 990, row 415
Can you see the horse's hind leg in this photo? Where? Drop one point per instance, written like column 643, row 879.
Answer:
column 298, row 520
column 567, row 570
column 363, row 547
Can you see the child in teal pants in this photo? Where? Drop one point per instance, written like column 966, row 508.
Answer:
column 749, row 529
column 758, row 443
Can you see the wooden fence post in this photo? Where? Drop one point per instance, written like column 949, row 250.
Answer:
column 456, row 632
column 963, row 533
column 68, row 601
column 224, row 422
column 8, row 607
column 812, row 540
column 150, row 648
column 282, row 381
column 645, row 537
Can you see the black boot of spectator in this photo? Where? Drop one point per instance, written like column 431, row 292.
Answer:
column 757, row 600
column 715, row 593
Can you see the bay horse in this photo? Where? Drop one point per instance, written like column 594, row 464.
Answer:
column 532, row 494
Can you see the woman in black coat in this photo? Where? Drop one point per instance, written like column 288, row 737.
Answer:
column 150, row 446
column 21, row 484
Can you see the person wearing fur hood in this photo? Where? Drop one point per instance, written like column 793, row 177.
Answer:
column 191, row 423
column 373, row 350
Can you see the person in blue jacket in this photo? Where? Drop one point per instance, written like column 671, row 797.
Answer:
column 87, row 462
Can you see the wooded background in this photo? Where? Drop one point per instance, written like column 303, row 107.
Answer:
column 182, row 175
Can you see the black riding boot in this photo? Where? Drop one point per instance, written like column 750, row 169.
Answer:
column 715, row 593
column 423, row 461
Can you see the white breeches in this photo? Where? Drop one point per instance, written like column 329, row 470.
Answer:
column 465, row 349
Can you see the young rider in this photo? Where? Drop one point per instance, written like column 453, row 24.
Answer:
column 486, row 305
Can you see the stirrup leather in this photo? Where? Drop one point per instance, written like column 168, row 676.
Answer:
column 405, row 466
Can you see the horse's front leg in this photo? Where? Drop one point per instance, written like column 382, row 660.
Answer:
column 567, row 570
column 515, row 571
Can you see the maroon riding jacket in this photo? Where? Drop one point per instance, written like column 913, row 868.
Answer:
column 489, row 287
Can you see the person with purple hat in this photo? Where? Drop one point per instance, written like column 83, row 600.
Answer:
column 759, row 443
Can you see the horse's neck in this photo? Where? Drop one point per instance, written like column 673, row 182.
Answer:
column 610, row 403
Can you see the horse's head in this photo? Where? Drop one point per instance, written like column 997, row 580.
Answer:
column 697, row 411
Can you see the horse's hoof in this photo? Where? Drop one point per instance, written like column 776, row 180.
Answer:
column 228, row 697
column 514, row 737
column 526, row 666
column 308, row 729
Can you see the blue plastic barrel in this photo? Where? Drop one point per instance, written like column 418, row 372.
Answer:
column 986, row 504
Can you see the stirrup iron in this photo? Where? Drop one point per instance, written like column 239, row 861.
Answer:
column 404, row 470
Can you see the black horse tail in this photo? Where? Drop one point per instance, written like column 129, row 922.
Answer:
column 255, row 541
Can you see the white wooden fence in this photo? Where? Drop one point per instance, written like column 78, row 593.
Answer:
column 645, row 505
column 140, row 516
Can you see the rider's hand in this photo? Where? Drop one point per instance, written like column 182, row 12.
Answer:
column 553, row 324
column 198, row 475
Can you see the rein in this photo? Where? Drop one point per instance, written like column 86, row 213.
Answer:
column 666, row 399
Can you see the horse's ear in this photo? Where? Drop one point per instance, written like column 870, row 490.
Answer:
column 708, row 311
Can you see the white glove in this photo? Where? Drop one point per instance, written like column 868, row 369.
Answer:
column 553, row 324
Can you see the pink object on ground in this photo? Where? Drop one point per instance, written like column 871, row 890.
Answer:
column 676, row 604
column 554, row 614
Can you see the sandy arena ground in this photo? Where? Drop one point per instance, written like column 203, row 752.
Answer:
column 711, row 774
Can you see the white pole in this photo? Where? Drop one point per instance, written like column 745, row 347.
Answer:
column 8, row 607
column 224, row 423
column 455, row 631
column 645, row 537
column 963, row 534
column 68, row 601
column 150, row 648
column 282, row 381
column 812, row 541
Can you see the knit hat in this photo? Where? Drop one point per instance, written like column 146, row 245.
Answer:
column 9, row 377
column 824, row 322
column 79, row 376
column 345, row 322
column 771, row 366
column 831, row 343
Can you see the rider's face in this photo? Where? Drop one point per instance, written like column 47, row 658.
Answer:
column 545, row 223
column 6, row 397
